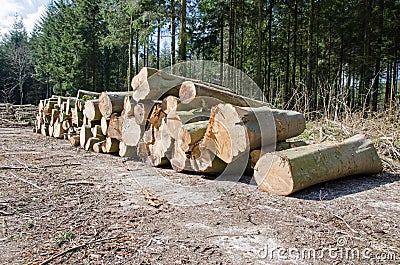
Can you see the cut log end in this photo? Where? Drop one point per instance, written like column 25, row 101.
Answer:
column 279, row 179
column 187, row 92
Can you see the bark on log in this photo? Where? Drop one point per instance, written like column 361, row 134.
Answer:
column 291, row 170
column 84, row 134
column 114, row 129
column 112, row 102
column 190, row 90
column 91, row 110
column 234, row 130
column 256, row 153
column 153, row 84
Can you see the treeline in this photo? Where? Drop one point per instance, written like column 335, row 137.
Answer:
column 309, row 55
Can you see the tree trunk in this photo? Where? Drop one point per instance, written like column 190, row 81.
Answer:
column 190, row 90
column 182, row 33
column 233, row 130
column 291, row 170
column 173, row 30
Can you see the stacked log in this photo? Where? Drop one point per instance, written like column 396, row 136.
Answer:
column 18, row 114
column 190, row 125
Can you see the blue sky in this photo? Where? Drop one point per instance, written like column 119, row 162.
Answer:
column 29, row 10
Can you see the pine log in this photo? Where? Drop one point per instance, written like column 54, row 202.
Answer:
column 61, row 99
column 98, row 147
column 114, row 129
column 190, row 90
column 111, row 145
column 91, row 110
column 85, row 134
column 90, row 142
column 154, row 84
column 288, row 171
column 169, row 104
column 126, row 151
column 41, row 105
column 234, row 130
column 75, row 140
column 112, row 102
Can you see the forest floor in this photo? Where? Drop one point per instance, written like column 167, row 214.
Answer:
column 63, row 205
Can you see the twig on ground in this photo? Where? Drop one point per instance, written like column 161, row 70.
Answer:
column 26, row 181
column 348, row 226
column 42, row 167
column 79, row 183
column 234, row 235
column 78, row 247
column 5, row 213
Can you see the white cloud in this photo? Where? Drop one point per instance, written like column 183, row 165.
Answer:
column 29, row 10
column 31, row 19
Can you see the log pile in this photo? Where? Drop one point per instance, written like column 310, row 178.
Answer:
column 189, row 125
column 18, row 114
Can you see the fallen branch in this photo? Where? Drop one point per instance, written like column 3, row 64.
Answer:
column 78, row 247
column 42, row 167
column 79, row 183
column 26, row 181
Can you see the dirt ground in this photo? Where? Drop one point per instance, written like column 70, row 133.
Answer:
column 62, row 205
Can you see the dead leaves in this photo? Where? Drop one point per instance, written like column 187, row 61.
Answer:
column 152, row 200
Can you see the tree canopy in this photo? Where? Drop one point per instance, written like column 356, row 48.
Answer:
column 310, row 55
